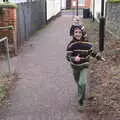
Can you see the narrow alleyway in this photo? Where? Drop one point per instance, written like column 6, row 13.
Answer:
column 46, row 89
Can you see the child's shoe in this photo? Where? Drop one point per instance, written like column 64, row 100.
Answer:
column 80, row 108
column 81, row 105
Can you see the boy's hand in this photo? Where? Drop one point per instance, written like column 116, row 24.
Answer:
column 103, row 59
column 77, row 58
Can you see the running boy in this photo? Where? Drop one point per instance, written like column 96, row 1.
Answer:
column 78, row 54
column 76, row 22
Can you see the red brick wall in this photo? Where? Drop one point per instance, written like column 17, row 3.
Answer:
column 86, row 5
column 9, row 18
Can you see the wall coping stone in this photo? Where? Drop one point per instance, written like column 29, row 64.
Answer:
column 8, row 5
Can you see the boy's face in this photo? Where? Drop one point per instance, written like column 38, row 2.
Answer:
column 77, row 34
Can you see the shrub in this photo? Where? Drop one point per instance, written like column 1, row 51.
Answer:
column 113, row 1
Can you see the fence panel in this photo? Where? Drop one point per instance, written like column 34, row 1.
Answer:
column 31, row 16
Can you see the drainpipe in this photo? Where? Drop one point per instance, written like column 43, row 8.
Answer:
column 46, row 11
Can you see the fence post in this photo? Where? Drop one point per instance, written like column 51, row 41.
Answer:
column 101, row 28
column 8, row 55
column 5, row 40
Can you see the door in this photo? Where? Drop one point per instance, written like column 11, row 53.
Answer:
column 68, row 4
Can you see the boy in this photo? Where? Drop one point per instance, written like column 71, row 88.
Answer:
column 76, row 22
column 78, row 54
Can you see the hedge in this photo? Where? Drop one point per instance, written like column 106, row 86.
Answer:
column 8, row 4
column 114, row 1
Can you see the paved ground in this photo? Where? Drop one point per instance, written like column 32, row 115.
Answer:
column 73, row 12
column 45, row 90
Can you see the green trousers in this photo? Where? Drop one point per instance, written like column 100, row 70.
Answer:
column 80, row 77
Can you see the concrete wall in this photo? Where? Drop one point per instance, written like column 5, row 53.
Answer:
column 63, row 4
column 53, row 7
column 113, row 19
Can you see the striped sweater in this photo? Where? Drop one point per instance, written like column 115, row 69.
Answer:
column 82, row 49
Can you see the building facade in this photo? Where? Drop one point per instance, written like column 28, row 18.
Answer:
column 63, row 6
column 81, row 3
column 96, row 8
column 53, row 8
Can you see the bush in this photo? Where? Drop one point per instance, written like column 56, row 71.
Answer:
column 8, row 4
column 113, row 1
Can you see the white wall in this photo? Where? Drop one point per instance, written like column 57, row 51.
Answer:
column 17, row 1
column 63, row 4
column 50, row 8
column 53, row 7
column 57, row 6
column 97, row 8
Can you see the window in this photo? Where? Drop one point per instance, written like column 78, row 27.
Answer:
column 81, row 2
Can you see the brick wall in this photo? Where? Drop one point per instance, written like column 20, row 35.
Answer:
column 9, row 18
column 86, row 4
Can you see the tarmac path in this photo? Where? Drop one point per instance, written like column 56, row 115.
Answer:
column 46, row 89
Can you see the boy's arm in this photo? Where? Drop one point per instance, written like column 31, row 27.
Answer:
column 97, row 56
column 69, row 56
column 85, row 36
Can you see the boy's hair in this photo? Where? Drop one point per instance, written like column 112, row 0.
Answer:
column 78, row 27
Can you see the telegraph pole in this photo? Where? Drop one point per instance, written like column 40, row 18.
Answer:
column 101, row 28
column 77, row 8
column 93, row 11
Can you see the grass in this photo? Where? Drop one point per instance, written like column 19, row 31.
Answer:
column 6, row 81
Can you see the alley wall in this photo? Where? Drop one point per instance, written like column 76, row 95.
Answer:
column 113, row 19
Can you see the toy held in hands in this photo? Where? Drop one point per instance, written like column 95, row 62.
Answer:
column 77, row 58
